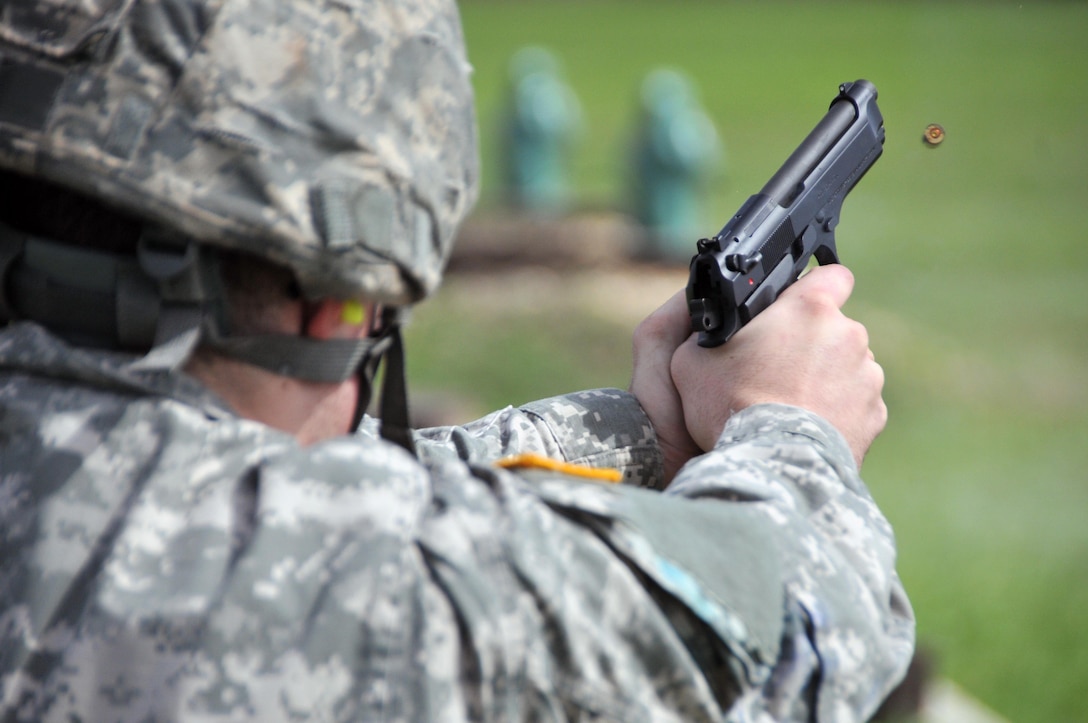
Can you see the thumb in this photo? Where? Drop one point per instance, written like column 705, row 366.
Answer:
column 669, row 325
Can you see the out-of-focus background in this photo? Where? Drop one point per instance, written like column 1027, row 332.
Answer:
column 971, row 260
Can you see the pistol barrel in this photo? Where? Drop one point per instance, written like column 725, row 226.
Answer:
column 767, row 244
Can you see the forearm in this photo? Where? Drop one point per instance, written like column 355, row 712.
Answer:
column 837, row 555
column 597, row 428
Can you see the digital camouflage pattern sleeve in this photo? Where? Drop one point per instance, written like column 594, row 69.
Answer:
column 161, row 559
column 810, row 538
column 601, row 428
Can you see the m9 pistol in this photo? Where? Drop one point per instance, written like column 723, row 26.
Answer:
column 769, row 242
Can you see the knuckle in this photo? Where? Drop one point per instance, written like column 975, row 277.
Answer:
column 818, row 304
column 858, row 334
column 881, row 414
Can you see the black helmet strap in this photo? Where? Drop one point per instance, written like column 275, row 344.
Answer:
column 396, row 423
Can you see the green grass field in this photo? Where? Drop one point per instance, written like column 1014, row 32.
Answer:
column 972, row 273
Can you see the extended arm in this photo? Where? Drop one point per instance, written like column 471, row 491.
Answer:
column 848, row 628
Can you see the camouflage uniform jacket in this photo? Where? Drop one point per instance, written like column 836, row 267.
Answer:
column 162, row 559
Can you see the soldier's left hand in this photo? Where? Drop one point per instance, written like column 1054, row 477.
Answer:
column 655, row 341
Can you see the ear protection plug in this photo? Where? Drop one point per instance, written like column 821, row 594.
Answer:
column 353, row 313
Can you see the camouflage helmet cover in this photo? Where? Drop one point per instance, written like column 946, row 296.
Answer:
column 336, row 137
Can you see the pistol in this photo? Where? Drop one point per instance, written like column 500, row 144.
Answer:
column 770, row 241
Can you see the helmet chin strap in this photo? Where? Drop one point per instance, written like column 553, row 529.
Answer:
column 334, row 361
column 328, row 360
column 169, row 299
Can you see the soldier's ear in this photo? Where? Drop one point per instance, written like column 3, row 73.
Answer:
column 337, row 319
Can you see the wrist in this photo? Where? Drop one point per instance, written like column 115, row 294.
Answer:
column 773, row 420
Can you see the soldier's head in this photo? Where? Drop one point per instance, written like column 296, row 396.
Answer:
column 332, row 139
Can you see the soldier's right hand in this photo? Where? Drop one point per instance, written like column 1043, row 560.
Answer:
column 802, row 351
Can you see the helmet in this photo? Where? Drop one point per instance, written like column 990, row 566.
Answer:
column 334, row 137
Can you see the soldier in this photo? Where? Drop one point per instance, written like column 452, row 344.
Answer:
column 213, row 214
